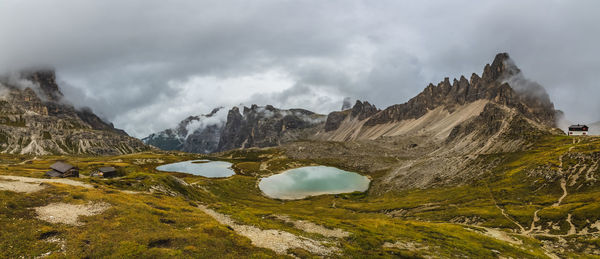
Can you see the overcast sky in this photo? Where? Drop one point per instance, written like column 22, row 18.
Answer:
column 145, row 65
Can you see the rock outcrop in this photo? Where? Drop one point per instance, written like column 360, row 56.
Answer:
column 195, row 134
column 256, row 126
column 267, row 126
column 35, row 119
column 360, row 111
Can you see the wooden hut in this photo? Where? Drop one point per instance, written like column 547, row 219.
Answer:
column 106, row 172
column 578, row 130
column 62, row 169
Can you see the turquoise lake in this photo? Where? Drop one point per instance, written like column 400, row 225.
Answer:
column 307, row 181
column 206, row 168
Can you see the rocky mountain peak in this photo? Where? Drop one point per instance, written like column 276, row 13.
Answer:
column 363, row 110
column 262, row 126
column 496, row 69
column 46, row 79
column 501, row 82
column 35, row 119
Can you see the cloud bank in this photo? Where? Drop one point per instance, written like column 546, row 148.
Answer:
column 147, row 64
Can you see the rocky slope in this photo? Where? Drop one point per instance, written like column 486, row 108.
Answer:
column 196, row 134
column 34, row 119
column 498, row 111
column 442, row 135
column 253, row 127
column 452, row 111
column 267, row 126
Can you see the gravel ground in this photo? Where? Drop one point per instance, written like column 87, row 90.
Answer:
column 18, row 186
column 310, row 227
column 69, row 213
column 276, row 240
column 42, row 180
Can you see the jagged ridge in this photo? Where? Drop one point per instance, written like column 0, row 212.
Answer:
column 491, row 86
column 256, row 126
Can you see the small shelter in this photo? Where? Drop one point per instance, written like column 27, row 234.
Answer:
column 578, row 130
column 62, row 169
column 106, row 172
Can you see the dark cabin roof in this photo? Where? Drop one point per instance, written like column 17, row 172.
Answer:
column 107, row 169
column 61, row 167
column 578, row 127
column 53, row 173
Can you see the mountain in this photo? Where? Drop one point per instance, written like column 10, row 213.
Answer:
column 443, row 135
column 452, row 111
column 267, row 126
column 256, row 126
column 35, row 119
column 196, row 134
column 499, row 111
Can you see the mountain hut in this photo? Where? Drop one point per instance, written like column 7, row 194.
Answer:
column 578, row 130
column 62, row 169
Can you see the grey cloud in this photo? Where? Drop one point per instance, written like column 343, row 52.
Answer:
column 136, row 62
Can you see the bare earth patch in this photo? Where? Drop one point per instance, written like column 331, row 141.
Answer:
column 310, row 227
column 276, row 240
column 143, row 161
column 42, row 180
column 17, row 186
column 69, row 213
column 411, row 246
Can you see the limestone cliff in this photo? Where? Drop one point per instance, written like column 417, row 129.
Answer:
column 35, row 119
column 196, row 134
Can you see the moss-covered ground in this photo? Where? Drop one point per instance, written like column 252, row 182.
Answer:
column 448, row 222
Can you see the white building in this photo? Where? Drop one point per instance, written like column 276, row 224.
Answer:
column 578, row 130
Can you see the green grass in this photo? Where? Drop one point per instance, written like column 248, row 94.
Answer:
column 160, row 225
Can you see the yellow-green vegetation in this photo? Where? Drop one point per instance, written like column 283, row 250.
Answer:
column 155, row 214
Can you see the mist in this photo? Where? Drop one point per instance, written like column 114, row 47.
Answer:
column 146, row 65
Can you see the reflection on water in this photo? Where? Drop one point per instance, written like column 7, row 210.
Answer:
column 206, row 168
column 312, row 180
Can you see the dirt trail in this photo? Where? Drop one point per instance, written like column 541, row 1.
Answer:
column 28, row 160
column 509, row 218
column 276, row 240
column 535, row 219
column 572, row 229
column 495, row 233
column 504, row 212
column 563, row 186
column 563, row 180
column 310, row 227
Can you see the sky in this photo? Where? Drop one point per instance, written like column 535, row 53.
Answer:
column 145, row 64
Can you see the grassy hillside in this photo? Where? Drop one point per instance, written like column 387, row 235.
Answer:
column 155, row 214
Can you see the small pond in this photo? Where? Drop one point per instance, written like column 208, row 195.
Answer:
column 206, row 168
column 311, row 181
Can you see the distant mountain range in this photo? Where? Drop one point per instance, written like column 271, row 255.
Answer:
column 197, row 134
column 480, row 113
column 500, row 110
column 34, row 119
column 257, row 126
